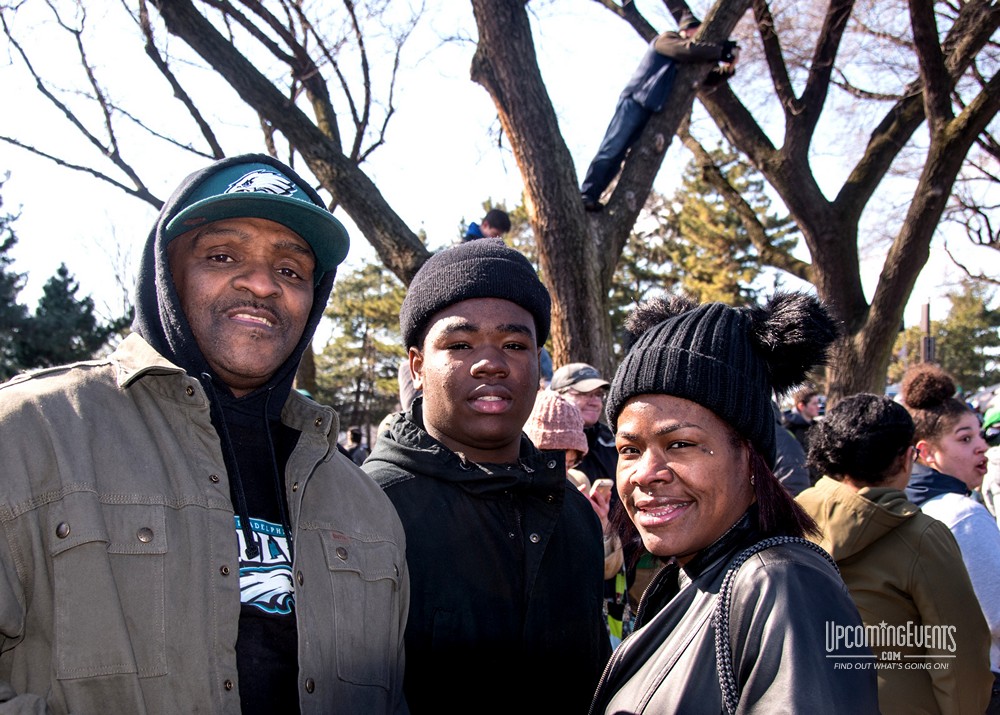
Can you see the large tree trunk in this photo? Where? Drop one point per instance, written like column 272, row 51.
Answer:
column 578, row 252
column 506, row 66
column 830, row 228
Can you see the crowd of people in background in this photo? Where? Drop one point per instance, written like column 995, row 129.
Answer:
column 849, row 486
column 901, row 564
column 889, row 501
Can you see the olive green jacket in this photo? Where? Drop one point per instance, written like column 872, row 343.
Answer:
column 119, row 565
column 905, row 571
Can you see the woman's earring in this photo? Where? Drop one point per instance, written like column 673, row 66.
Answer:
column 751, row 479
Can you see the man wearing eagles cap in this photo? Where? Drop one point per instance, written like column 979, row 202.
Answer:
column 180, row 532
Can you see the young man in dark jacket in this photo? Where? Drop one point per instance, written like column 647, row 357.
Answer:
column 505, row 555
column 647, row 93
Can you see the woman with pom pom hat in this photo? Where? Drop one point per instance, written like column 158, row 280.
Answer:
column 745, row 613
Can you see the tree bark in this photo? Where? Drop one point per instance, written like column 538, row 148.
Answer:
column 830, row 228
column 506, row 66
column 578, row 252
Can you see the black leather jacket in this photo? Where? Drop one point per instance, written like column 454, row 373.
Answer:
column 783, row 600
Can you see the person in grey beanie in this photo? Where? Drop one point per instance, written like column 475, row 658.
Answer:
column 738, row 618
column 506, row 556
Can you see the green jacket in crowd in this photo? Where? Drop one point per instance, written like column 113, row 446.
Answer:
column 903, row 567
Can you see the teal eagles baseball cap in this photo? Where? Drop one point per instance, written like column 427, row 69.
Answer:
column 258, row 190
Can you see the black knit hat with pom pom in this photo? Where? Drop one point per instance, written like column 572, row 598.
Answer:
column 729, row 360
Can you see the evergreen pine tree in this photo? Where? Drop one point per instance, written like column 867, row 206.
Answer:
column 356, row 372
column 968, row 338
column 711, row 250
column 695, row 243
column 13, row 315
column 64, row 328
column 966, row 341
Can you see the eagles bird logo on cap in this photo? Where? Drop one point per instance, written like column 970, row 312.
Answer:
column 259, row 190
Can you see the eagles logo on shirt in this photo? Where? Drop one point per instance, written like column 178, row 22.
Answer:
column 266, row 581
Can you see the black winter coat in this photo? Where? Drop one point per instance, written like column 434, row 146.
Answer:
column 506, row 577
column 787, row 604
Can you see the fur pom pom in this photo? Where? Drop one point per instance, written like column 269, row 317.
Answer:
column 652, row 312
column 793, row 332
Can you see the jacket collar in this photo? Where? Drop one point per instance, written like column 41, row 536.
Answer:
column 926, row 483
column 413, row 449
column 135, row 359
column 740, row 535
column 674, row 577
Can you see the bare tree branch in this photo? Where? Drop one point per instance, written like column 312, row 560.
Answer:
column 179, row 92
column 628, row 12
column 978, row 276
column 398, row 247
column 774, row 57
column 937, row 83
column 109, row 150
column 768, row 254
column 841, row 82
column 820, row 70
column 139, row 193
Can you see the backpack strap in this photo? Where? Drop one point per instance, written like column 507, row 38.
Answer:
column 720, row 618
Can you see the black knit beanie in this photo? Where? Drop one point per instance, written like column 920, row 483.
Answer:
column 487, row 268
column 729, row 360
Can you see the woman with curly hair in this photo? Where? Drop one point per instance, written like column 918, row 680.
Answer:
column 894, row 558
column 951, row 462
column 744, row 615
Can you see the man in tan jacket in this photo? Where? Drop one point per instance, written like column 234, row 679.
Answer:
column 180, row 532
